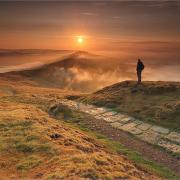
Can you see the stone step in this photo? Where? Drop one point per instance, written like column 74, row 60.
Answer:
column 174, row 137
column 149, row 133
column 150, row 136
column 169, row 146
column 144, row 126
column 109, row 114
column 160, row 129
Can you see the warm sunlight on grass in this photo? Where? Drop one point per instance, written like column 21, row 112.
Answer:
column 35, row 145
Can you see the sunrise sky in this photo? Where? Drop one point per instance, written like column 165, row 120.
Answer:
column 103, row 25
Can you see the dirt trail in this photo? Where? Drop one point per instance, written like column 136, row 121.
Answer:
column 149, row 151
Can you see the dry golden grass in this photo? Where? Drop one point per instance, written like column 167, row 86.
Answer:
column 34, row 145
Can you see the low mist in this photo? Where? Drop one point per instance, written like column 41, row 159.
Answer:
column 88, row 72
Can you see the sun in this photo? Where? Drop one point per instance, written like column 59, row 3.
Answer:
column 80, row 39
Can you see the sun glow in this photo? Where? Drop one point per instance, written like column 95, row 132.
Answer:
column 80, row 39
column 81, row 42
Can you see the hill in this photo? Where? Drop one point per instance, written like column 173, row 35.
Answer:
column 154, row 102
column 79, row 71
column 34, row 145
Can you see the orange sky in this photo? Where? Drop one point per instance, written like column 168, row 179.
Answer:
column 105, row 25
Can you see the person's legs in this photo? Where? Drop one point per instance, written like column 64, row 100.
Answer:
column 139, row 76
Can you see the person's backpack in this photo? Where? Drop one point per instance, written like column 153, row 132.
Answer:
column 142, row 66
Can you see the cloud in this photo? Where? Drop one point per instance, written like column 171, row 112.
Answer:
column 86, row 80
column 89, row 13
column 20, row 67
column 90, row 72
column 100, row 3
column 165, row 47
column 13, row 26
column 117, row 17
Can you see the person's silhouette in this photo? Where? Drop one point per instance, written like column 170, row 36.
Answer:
column 139, row 69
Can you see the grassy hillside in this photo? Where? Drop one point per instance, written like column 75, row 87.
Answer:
column 35, row 145
column 153, row 102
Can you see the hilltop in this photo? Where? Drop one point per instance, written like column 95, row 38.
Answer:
column 154, row 102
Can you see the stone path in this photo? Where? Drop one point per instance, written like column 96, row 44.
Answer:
column 152, row 134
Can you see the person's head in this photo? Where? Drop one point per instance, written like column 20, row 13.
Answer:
column 139, row 60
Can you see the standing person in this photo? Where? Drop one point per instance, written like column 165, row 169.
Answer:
column 139, row 69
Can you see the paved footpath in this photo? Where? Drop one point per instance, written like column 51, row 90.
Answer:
column 152, row 134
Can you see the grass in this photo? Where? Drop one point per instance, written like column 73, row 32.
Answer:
column 55, row 176
column 137, row 158
column 28, row 151
column 153, row 102
column 21, row 136
column 22, row 146
column 28, row 163
column 90, row 174
column 116, row 147
column 78, row 160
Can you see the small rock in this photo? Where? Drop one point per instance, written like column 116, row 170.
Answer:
column 55, row 136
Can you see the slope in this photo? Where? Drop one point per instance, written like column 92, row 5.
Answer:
column 154, row 102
